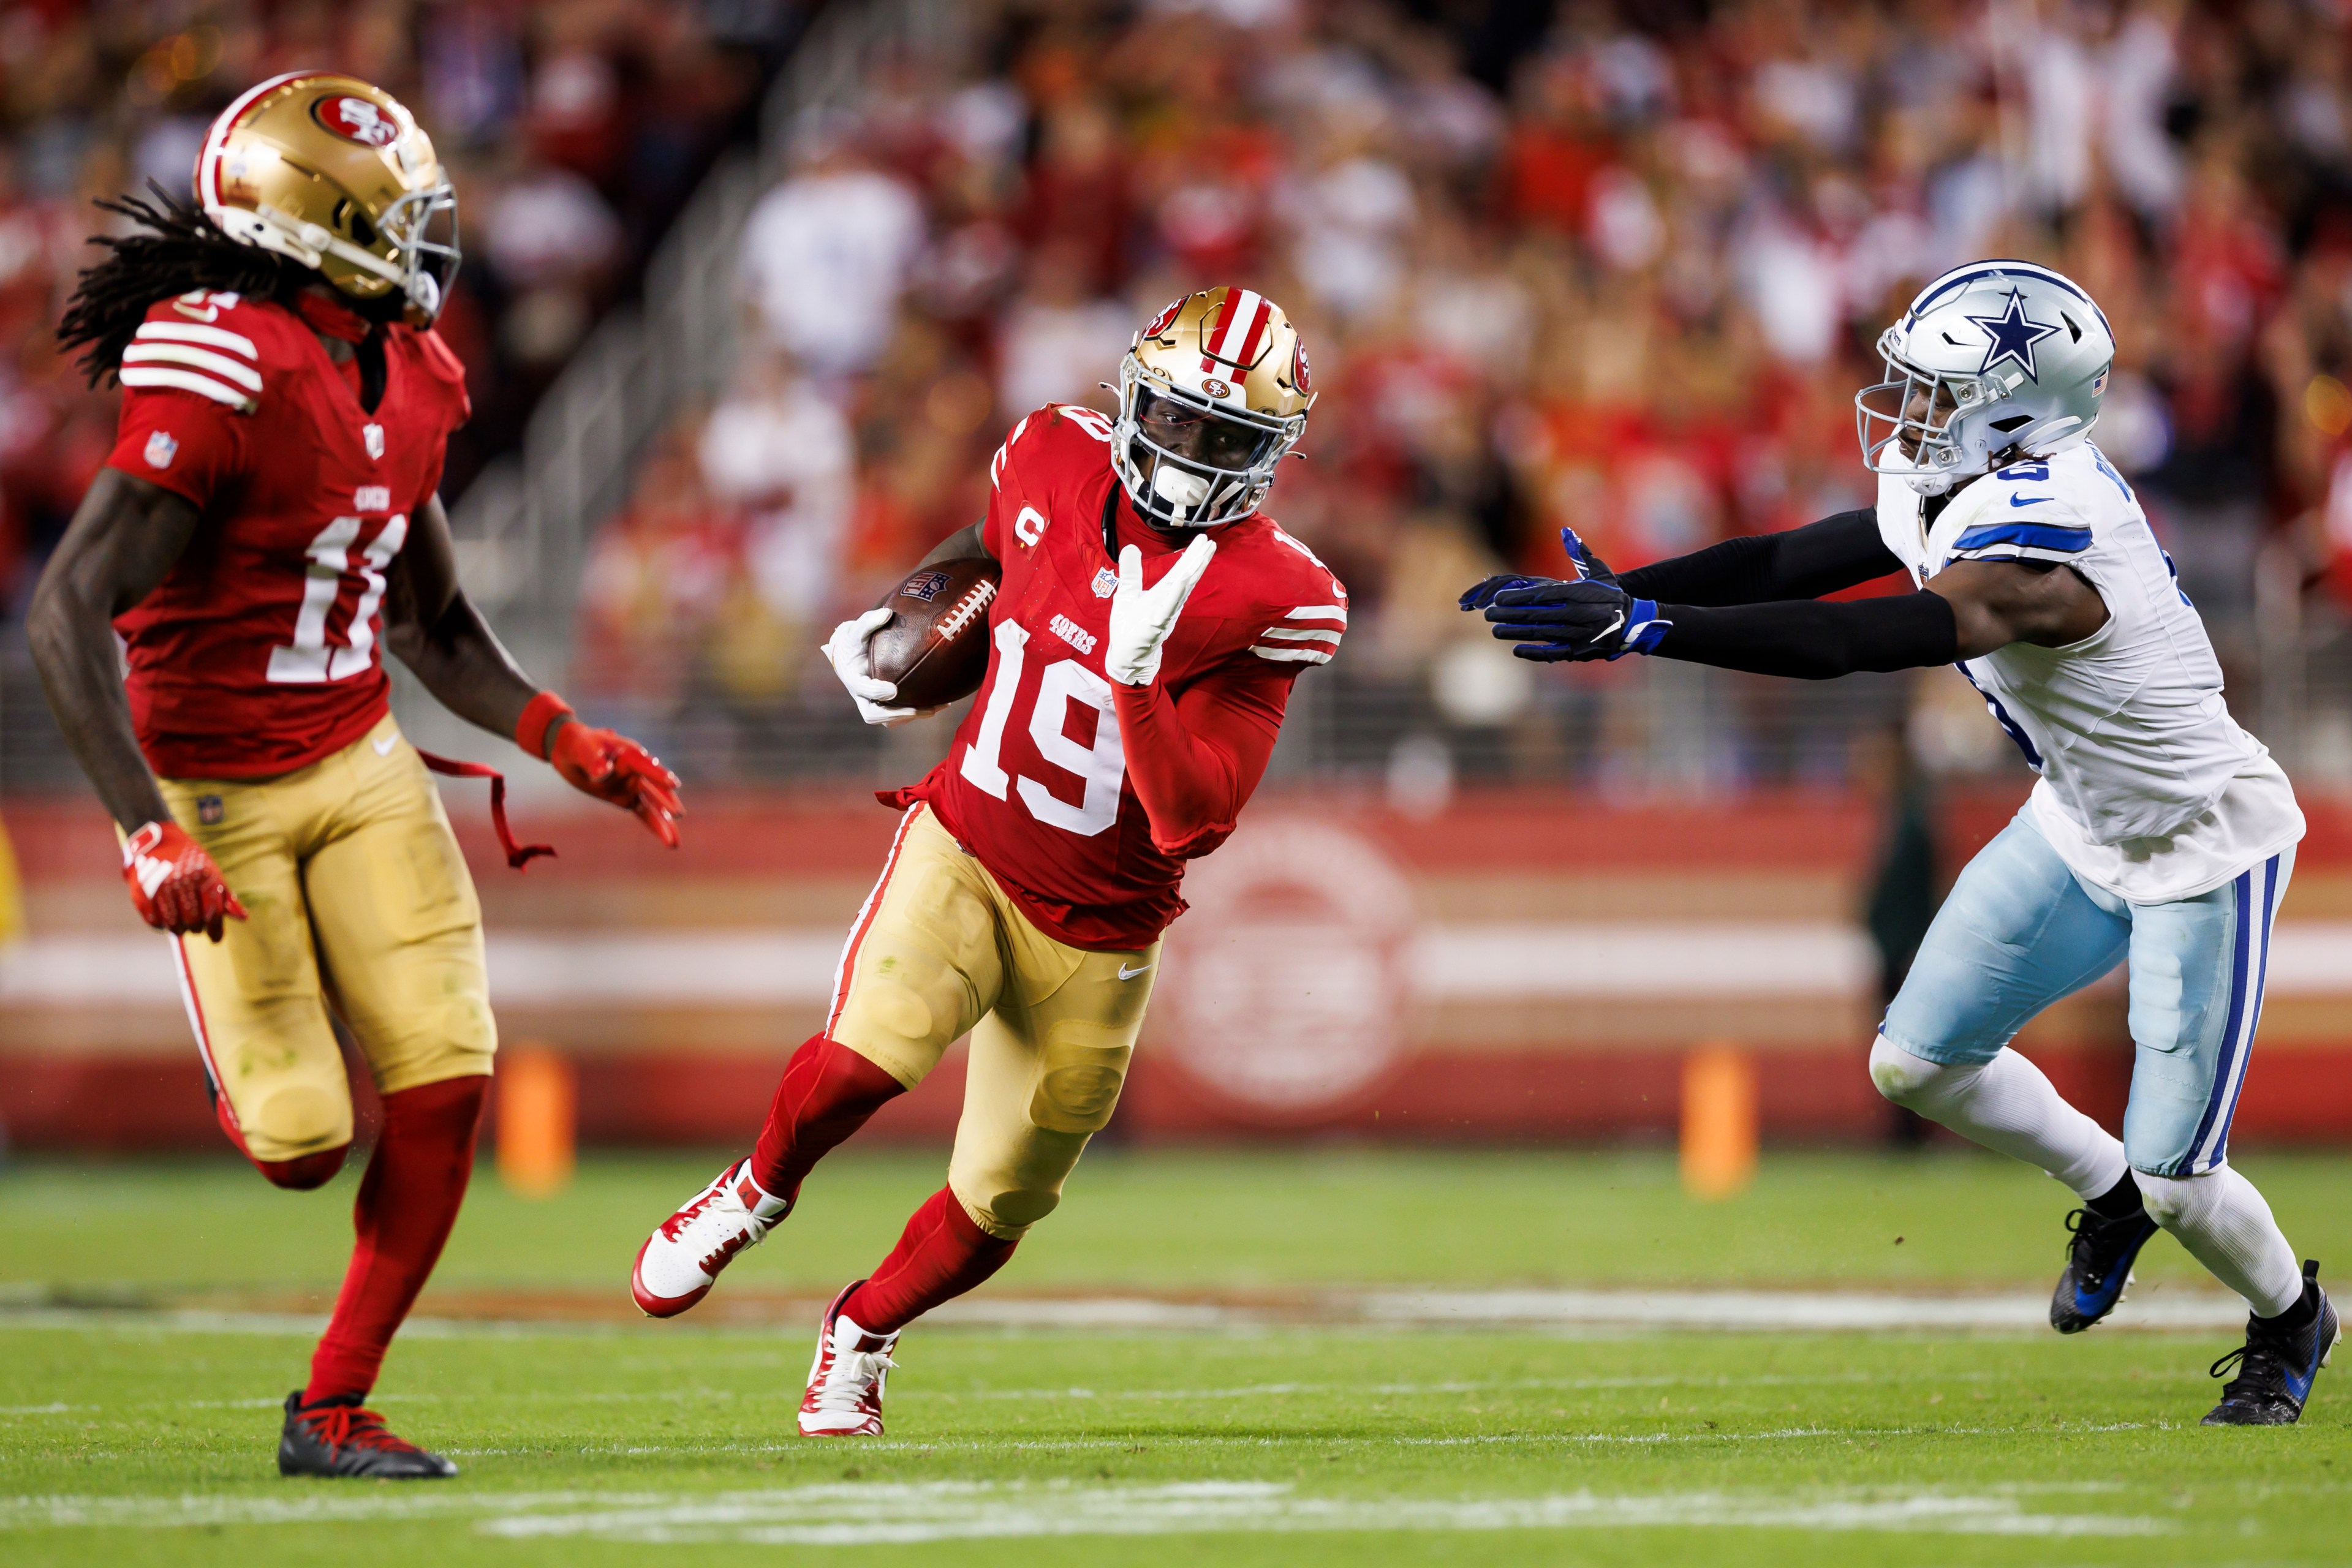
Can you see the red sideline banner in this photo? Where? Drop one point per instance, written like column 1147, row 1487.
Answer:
column 1524, row 965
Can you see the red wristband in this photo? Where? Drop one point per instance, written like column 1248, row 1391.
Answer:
column 539, row 716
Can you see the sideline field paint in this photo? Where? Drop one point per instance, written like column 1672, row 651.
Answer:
column 1601, row 1311
column 888, row 1513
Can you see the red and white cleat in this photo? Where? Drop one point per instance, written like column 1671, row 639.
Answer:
column 844, row 1389
column 680, row 1260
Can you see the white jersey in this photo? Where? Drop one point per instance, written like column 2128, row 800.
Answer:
column 2148, row 790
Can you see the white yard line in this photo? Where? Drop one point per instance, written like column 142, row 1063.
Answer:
column 1598, row 1311
column 894, row 1513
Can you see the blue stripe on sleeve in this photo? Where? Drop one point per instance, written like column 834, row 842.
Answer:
column 2032, row 535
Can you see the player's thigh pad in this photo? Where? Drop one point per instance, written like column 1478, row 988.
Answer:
column 2017, row 933
column 399, row 927
column 254, row 997
column 924, row 960
column 2197, row 970
column 1045, row 1073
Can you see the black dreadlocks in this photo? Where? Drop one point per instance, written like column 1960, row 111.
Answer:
column 177, row 250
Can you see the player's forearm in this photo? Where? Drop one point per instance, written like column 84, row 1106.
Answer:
column 462, row 663
column 1825, row 557
column 1814, row 639
column 73, row 647
column 1192, row 791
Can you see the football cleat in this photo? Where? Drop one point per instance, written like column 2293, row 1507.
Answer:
column 682, row 1259
column 2276, row 1365
column 340, row 1437
column 846, row 1381
column 2098, row 1267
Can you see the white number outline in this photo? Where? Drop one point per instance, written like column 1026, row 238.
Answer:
column 1101, row 767
column 308, row 660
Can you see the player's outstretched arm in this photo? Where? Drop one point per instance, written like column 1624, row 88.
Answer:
column 1967, row 610
column 437, row 631
column 124, row 540
column 1838, row 552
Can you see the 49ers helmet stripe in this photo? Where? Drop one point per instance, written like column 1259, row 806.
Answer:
column 1244, row 321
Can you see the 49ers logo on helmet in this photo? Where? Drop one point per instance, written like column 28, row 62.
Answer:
column 1165, row 319
column 355, row 119
column 1301, row 377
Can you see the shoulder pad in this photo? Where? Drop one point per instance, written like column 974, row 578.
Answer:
column 1059, row 433
column 217, row 346
column 1297, row 607
column 2019, row 513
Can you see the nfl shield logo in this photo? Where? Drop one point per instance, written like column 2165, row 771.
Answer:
column 209, row 810
column 372, row 434
column 162, row 449
column 1106, row 583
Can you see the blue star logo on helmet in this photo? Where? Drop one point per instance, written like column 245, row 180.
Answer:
column 2013, row 335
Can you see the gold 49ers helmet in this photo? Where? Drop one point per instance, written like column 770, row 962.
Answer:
column 334, row 173
column 1213, row 392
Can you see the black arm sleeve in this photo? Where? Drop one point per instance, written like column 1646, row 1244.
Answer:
column 1814, row 639
column 1799, row 563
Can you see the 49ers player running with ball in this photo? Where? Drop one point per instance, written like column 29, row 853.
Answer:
column 1143, row 642
column 268, row 522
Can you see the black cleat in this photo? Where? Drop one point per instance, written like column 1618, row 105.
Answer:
column 2278, row 1362
column 340, row 1437
column 2098, row 1267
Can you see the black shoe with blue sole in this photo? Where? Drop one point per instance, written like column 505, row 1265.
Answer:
column 2098, row 1267
column 2277, row 1363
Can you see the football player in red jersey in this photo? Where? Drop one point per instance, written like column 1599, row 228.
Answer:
column 1143, row 641
column 268, row 522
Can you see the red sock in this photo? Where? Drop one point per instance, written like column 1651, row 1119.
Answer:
column 939, row 1256
column 408, row 1200
column 827, row 1093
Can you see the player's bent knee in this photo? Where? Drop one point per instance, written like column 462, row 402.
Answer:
column 305, row 1173
column 299, row 1122
column 1908, row 1080
column 2173, row 1201
column 1007, row 1215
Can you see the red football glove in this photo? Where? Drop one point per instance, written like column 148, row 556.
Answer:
column 608, row 765
column 174, row 885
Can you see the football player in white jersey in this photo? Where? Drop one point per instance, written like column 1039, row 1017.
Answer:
column 2159, row 831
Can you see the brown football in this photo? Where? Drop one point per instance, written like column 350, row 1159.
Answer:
column 935, row 645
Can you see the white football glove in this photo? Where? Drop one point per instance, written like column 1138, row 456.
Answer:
column 1141, row 618
column 845, row 650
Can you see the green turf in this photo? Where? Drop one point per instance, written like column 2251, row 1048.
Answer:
column 614, row 1442
column 1219, row 1219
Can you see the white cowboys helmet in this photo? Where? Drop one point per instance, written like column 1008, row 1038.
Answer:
column 1992, row 359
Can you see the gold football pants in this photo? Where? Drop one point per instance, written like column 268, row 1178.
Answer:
column 939, row 950
column 356, row 898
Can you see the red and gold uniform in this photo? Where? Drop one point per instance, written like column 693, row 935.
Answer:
column 257, row 688
column 1028, row 886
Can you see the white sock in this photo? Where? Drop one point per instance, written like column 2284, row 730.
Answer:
column 2007, row 1105
column 2227, row 1226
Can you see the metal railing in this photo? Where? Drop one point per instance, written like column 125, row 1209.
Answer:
column 523, row 527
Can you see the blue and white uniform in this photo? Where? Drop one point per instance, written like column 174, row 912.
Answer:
column 2158, row 831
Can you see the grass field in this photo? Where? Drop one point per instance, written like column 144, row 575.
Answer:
column 142, row 1354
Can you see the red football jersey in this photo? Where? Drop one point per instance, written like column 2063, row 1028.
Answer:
column 260, row 653
column 1036, row 784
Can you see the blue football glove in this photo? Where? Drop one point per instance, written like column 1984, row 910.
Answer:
column 1576, row 622
column 1593, row 567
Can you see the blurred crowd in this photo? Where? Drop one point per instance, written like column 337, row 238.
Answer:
column 1624, row 270
column 573, row 129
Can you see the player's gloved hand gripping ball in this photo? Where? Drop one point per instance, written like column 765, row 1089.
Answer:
column 849, row 654
column 603, row 763
column 1591, row 617
column 1141, row 618
column 174, row 885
